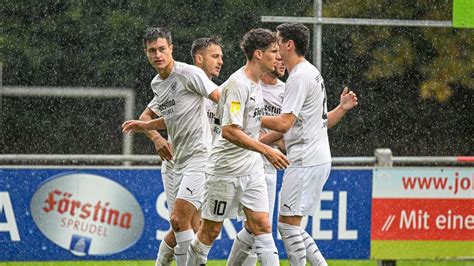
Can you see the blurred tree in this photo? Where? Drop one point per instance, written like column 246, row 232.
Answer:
column 415, row 85
column 99, row 44
column 442, row 57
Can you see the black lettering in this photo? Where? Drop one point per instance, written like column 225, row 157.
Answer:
column 219, row 207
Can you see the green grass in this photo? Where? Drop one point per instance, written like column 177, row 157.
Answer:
column 222, row 263
column 407, row 250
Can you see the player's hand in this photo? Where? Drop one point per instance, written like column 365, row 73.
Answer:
column 348, row 99
column 163, row 148
column 131, row 126
column 276, row 158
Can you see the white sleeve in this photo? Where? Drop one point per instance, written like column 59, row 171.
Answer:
column 153, row 105
column 234, row 102
column 296, row 91
column 200, row 83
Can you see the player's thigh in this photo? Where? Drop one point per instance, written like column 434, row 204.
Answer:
column 271, row 180
column 170, row 189
column 221, row 198
column 190, row 187
column 291, row 193
column 255, row 195
column 314, row 179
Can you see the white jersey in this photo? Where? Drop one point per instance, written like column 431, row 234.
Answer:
column 211, row 108
column 273, row 100
column 305, row 96
column 241, row 104
column 180, row 100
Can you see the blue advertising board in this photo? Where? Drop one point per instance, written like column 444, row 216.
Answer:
column 120, row 214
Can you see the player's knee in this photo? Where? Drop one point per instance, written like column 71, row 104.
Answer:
column 170, row 238
column 213, row 232
column 261, row 226
column 195, row 225
column 178, row 222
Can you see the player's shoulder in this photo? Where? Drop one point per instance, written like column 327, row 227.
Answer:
column 280, row 85
column 187, row 69
column 156, row 80
column 237, row 80
column 304, row 71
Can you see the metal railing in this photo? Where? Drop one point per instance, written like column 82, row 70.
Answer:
column 10, row 159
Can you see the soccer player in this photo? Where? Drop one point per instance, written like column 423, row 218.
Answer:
column 180, row 91
column 304, row 120
column 235, row 182
column 207, row 55
column 272, row 91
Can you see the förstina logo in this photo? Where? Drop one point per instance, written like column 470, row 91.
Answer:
column 87, row 214
column 86, row 211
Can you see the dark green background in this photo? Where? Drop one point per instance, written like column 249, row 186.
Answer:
column 415, row 85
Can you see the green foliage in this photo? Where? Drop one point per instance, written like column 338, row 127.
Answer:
column 415, row 85
column 444, row 57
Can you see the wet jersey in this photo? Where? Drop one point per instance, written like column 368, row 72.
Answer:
column 305, row 96
column 241, row 104
column 273, row 99
column 180, row 99
column 211, row 108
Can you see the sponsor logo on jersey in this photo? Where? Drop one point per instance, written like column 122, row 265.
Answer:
column 166, row 105
column 87, row 214
column 272, row 110
column 258, row 112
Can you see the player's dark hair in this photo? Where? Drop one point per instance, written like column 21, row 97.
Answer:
column 152, row 34
column 202, row 43
column 257, row 39
column 296, row 32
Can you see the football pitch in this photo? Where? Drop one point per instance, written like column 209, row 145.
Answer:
column 222, row 263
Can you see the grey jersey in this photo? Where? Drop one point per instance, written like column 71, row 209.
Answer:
column 180, row 99
column 241, row 104
column 273, row 100
column 305, row 96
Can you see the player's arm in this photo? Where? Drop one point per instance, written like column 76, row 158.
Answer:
column 348, row 100
column 281, row 145
column 273, row 138
column 281, row 123
column 215, row 95
column 143, row 126
column 162, row 146
column 234, row 134
column 295, row 95
column 270, row 137
column 202, row 85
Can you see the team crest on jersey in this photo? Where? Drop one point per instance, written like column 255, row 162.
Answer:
column 319, row 78
column 173, row 86
column 280, row 97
